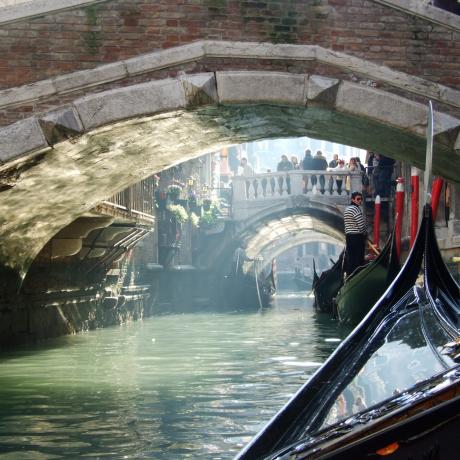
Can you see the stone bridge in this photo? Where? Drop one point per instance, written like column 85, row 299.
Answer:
column 259, row 196
column 96, row 96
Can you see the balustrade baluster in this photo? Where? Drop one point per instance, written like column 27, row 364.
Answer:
column 334, row 185
column 308, row 184
column 296, row 183
column 282, row 183
column 251, row 189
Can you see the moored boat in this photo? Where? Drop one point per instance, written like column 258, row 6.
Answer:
column 365, row 286
column 326, row 285
column 374, row 390
column 243, row 291
column 392, row 387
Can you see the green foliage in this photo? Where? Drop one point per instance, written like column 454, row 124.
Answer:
column 179, row 212
column 208, row 218
column 194, row 220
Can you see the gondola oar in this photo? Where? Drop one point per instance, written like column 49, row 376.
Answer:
column 257, row 285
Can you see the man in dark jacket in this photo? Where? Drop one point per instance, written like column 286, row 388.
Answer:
column 319, row 164
column 382, row 176
column 307, row 161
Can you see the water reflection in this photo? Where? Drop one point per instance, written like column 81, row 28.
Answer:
column 404, row 359
column 178, row 386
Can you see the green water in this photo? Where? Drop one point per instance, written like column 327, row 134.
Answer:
column 196, row 386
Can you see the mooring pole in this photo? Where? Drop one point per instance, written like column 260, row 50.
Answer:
column 399, row 212
column 377, row 207
column 415, row 187
column 436, row 188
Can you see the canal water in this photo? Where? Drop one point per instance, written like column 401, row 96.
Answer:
column 190, row 386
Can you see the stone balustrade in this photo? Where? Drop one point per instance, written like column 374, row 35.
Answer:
column 284, row 184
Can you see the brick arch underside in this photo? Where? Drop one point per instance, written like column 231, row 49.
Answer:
column 44, row 189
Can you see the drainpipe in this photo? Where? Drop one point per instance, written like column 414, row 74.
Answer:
column 414, row 181
column 399, row 212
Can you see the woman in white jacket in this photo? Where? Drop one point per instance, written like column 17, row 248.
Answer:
column 339, row 179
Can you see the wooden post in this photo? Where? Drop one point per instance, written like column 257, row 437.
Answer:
column 377, row 206
column 414, row 180
column 399, row 212
column 436, row 188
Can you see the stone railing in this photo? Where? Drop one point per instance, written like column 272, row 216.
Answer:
column 283, row 184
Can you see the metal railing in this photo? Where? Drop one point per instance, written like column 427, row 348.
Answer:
column 136, row 200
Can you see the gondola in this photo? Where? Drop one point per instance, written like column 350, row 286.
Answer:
column 243, row 292
column 375, row 389
column 326, row 286
column 392, row 387
column 302, row 282
column 364, row 287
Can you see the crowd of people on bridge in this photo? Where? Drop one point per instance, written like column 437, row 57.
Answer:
column 376, row 176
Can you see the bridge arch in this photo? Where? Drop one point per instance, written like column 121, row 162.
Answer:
column 61, row 163
column 270, row 234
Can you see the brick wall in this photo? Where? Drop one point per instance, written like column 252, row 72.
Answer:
column 84, row 38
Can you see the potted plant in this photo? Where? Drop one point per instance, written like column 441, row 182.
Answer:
column 174, row 191
column 194, row 220
column 207, row 204
column 179, row 212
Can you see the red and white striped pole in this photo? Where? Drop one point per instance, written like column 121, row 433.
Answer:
column 436, row 188
column 377, row 206
column 399, row 212
column 415, row 187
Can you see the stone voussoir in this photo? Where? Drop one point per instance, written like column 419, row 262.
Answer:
column 371, row 103
column 322, row 90
column 58, row 125
column 200, row 89
column 260, row 87
column 138, row 100
column 20, row 138
column 391, row 109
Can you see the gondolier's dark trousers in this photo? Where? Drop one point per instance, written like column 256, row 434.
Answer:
column 354, row 254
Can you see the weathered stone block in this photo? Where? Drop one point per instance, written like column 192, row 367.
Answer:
column 20, row 138
column 264, row 50
column 322, row 90
column 138, row 100
column 90, row 77
column 274, row 87
column 59, row 125
column 164, row 58
column 27, row 92
column 199, row 89
column 383, row 107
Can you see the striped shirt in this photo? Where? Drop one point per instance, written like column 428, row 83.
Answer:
column 354, row 220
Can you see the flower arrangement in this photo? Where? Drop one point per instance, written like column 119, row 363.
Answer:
column 179, row 212
column 208, row 219
column 194, row 220
column 174, row 191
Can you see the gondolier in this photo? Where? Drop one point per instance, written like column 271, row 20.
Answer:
column 355, row 233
